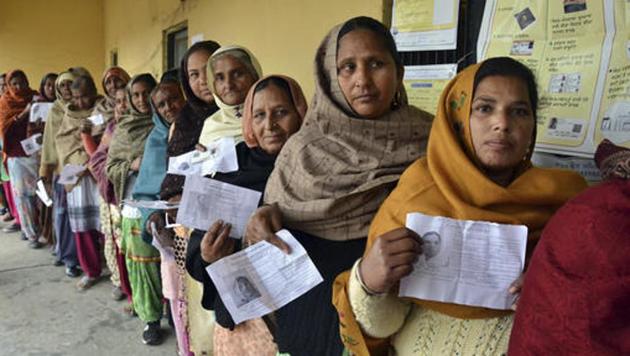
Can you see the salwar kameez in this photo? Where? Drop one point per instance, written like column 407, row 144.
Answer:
column 24, row 173
column 108, row 230
column 143, row 267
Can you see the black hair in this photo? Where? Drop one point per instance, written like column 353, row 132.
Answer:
column 170, row 75
column 42, row 84
column 87, row 81
column 207, row 46
column 508, row 67
column 376, row 27
column 277, row 81
column 147, row 79
column 20, row 73
column 3, row 75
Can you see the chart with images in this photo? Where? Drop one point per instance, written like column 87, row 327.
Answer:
column 580, row 53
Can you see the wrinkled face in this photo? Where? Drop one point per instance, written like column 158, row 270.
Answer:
column 18, row 83
column 431, row 245
column 232, row 80
column 82, row 98
column 49, row 89
column 3, row 85
column 169, row 101
column 367, row 73
column 120, row 100
column 197, row 77
column 64, row 88
column 501, row 123
column 140, row 95
column 112, row 83
column 275, row 118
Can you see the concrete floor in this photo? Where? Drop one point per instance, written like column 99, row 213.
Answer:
column 42, row 313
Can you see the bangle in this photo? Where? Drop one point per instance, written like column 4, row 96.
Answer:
column 367, row 290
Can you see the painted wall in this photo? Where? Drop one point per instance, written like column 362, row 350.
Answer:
column 283, row 34
column 40, row 36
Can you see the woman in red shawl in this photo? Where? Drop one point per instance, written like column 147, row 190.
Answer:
column 576, row 294
column 23, row 170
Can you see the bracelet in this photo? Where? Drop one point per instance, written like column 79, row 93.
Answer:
column 367, row 290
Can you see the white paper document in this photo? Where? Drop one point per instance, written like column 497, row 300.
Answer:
column 43, row 194
column 261, row 279
column 32, row 144
column 205, row 201
column 39, row 111
column 220, row 156
column 465, row 262
column 97, row 119
column 151, row 204
column 70, row 174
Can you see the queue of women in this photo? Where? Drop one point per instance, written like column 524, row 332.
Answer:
column 341, row 176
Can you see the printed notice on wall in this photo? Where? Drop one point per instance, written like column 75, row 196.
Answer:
column 424, row 84
column 579, row 51
column 425, row 25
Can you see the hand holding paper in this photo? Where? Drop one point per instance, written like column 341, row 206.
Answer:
column 261, row 279
column 465, row 262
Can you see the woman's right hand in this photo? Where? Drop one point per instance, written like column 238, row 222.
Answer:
column 216, row 243
column 263, row 225
column 390, row 258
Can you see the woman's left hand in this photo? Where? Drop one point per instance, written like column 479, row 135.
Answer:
column 515, row 289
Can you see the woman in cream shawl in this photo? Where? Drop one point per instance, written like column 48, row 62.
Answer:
column 49, row 169
column 358, row 136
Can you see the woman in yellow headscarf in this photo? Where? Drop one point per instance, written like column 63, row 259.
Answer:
column 477, row 168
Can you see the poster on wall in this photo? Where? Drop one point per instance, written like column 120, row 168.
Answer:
column 579, row 51
column 424, row 84
column 425, row 25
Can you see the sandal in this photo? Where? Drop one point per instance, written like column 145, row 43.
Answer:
column 85, row 283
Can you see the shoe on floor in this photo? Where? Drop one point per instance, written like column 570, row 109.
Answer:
column 152, row 334
column 117, row 294
column 58, row 263
column 24, row 238
column 6, row 217
column 73, row 271
column 86, row 283
column 15, row 227
column 34, row 244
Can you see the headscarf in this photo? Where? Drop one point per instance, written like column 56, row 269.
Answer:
column 49, row 161
column 189, row 123
column 128, row 141
column 448, row 183
column 255, row 166
column 332, row 176
column 12, row 103
column 296, row 96
column 576, row 292
column 227, row 121
column 153, row 167
column 106, row 107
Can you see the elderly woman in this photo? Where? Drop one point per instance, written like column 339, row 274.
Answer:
column 331, row 177
column 477, row 168
column 49, row 169
column 23, row 169
column 232, row 70
column 273, row 112
column 123, row 164
column 82, row 198
column 576, row 294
